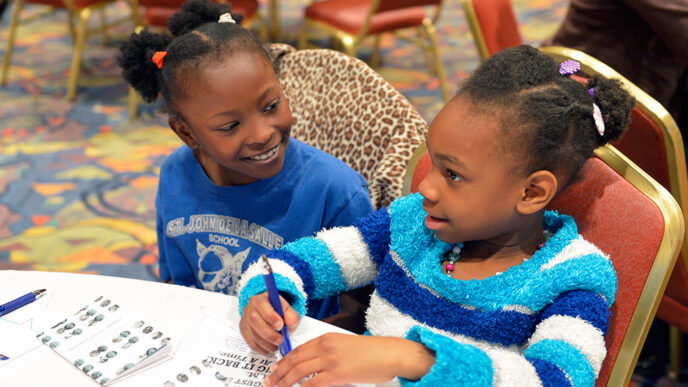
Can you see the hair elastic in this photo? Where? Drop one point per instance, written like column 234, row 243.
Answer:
column 569, row 67
column 226, row 18
column 158, row 58
column 597, row 116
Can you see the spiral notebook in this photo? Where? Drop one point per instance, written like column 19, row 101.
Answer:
column 99, row 339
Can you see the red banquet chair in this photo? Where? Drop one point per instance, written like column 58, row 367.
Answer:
column 493, row 25
column 615, row 197
column 351, row 21
column 156, row 12
column 653, row 141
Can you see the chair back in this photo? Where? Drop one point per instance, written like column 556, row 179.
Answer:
column 634, row 220
column 391, row 5
column 493, row 25
column 156, row 12
column 343, row 107
column 653, row 141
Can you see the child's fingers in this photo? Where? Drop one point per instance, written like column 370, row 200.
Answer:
column 292, row 369
column 261, row 345
column 252, row 338
column 291, row 317
column 321, row 379
column 264, row 329
column 267, row 312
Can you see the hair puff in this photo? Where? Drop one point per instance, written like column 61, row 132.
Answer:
column 615, row 104
column 135, row 59
column 195, row 13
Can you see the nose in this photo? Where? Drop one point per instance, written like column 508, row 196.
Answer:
column 261, row 134
column 428, row 187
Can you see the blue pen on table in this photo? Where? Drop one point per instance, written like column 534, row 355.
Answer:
column 273, row 295
column 21, row 301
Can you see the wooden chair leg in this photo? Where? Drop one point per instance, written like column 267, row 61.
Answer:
column 72, row 28
column 78, row 50
column 424, row 42
column 262, row 28
column 303, row 35
column 14, row 24
column 135, row 15
column 258, row 22
column 348, row 43
column 375, row 58
column 103, row 26
column 274, row 21
column 675, row 350
column 439, row 66
column 133, row 104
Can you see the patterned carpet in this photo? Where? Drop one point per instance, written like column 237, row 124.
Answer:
column 78, row 180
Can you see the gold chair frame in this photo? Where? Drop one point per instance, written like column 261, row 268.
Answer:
column 673, row 143
column 79, row 33
column 351, row 42
column 669, row 248
column 474, row 25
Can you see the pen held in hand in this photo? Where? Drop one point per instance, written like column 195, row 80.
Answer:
column 273, row 296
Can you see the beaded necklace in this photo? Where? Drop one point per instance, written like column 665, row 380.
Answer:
column 454, row 254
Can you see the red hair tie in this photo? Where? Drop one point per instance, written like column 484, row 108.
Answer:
column 158, row 58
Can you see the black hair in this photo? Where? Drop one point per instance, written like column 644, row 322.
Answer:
column 547, row 117
column 197, row 39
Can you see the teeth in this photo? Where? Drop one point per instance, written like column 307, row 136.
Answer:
column 265, row 155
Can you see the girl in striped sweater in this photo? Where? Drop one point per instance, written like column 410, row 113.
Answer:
column 476, row 284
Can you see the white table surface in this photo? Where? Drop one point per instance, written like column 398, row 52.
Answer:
column 176, row 308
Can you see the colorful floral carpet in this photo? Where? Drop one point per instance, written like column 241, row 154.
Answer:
column 78, row 180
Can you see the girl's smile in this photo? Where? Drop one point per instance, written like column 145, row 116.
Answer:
column 265, row 157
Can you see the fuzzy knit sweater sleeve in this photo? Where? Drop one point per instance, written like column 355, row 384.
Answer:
column 331, row 262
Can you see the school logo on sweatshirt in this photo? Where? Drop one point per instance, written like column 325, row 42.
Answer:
column 218, row 269
column 225, row 225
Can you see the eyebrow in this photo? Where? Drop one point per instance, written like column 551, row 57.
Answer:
column 452, row 160
column 233, row 111
column 444, row 157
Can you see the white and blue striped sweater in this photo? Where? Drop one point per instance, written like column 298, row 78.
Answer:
column 541, row 323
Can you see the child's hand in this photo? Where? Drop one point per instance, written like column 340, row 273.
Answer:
column 259, row 323
column 338, row 358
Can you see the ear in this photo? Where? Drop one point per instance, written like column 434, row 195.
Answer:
column 183, row 131
column 539, row 190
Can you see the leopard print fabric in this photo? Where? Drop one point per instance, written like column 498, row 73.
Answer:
column 343, row 107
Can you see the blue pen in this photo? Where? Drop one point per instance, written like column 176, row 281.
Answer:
column 21, row 301
column 273, row 295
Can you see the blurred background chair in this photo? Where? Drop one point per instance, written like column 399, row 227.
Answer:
column 156, row 13
column 343, row 107
column 493, row 25
column 350, row 21
column 653, row 141
column 78, row 14
column 613, row 194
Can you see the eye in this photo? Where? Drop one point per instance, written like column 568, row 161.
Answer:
column 272, row 106
column 229, row 127
column 453, row 176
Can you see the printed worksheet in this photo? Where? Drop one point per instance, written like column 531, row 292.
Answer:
column 217, row 355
